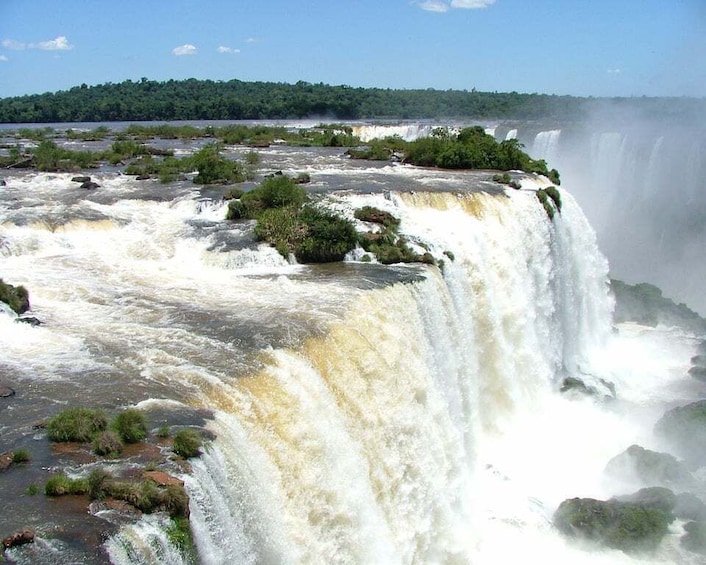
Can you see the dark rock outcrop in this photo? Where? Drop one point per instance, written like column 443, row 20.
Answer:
column 31, row 320
column 629, row 526
column 81, row 179
column 650, row 468
column 6, row 391
column 22, row 537
column 90, row 185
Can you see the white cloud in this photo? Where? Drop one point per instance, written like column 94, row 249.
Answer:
column 471, row 4
column 3, row 58
column 614, row 71
column 186, row 49
column 224, row 49
column 441, row 6
column 252, row 40
column 58, row 44
column 13, row 44
column 434, row 6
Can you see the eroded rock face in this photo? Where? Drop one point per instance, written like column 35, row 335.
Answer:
column 18, row 538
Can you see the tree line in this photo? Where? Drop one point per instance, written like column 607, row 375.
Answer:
column 238, row 100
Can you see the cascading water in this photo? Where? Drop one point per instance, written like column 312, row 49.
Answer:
column 360, row 413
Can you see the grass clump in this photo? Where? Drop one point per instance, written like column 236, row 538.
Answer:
column 107, row 444
column 377, row 216
column 130, row 425
column 187, row 443
column 20, row 456
column 60, row 485
column 76, row 424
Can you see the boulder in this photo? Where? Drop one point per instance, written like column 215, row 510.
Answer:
column 659, row 498
column 81, row 179
column 628, row 526
column 143, row 177
column 2, row 182
column 6, row 460
column 695, row 538
column 18, row 538
column 6, row 391
column 650, row 468
column 684, row 428
column 689, row 507
column 90, row 185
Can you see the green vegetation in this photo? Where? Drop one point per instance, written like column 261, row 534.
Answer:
column 32, row 490
column 130, row 425
column 107, row 444
column 145, row 495
column 187, row 443
column 238, row 100
column 179, row 535
column 471, row 148
column 76, row 424
column 16, row 297
column 20, row 456
column 550, row 200
column 163, row 432
column 379, row 149
column 215, row 169
column 386, row 244
column 61, row 485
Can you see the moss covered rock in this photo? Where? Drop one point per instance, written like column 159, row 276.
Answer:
column 628, row 526
column 650, row 468
column 684, row 428
column 16, row 297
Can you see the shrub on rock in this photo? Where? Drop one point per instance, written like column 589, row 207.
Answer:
column 107, row 444
column 130, row 425
column 187, row 443
column 76, row 424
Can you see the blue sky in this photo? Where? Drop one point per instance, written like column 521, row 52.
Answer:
column 578, row 47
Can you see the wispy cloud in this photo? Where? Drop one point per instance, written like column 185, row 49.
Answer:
column 186, row 49
column 252, row 40
column 615, row 71
column 3, row 58
column 434, row 6
column 58, row 44
column 224, row 49
column 61, row 43
column 441, row 6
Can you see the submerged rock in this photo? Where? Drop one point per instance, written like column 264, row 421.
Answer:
column 651, row 468
column 629, row 526
column 81, row 179
column 6, row 391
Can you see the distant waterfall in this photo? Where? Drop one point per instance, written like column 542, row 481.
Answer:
column 408, row 132
column 545, row 145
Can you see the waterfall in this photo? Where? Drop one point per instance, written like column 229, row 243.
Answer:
column 545, row 146
column 408, row 132
column 364, row 445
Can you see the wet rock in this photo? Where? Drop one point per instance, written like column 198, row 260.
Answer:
column 90, row 185
column 6, row 391
column 22, row 537
column 699, row 360
column 651, row 468
column 143, row 177
column 659, row 498
column 695, row 538
column 6, row 460
column 31, row 320
column 163, row 479
column 689, row 507
column 628, row 526
column 81, row 179
column 2, row 182
column 684, row 427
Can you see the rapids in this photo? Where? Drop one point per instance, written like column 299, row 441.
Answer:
column 359, row 413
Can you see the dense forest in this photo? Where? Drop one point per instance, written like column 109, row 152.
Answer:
column 238, row 100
